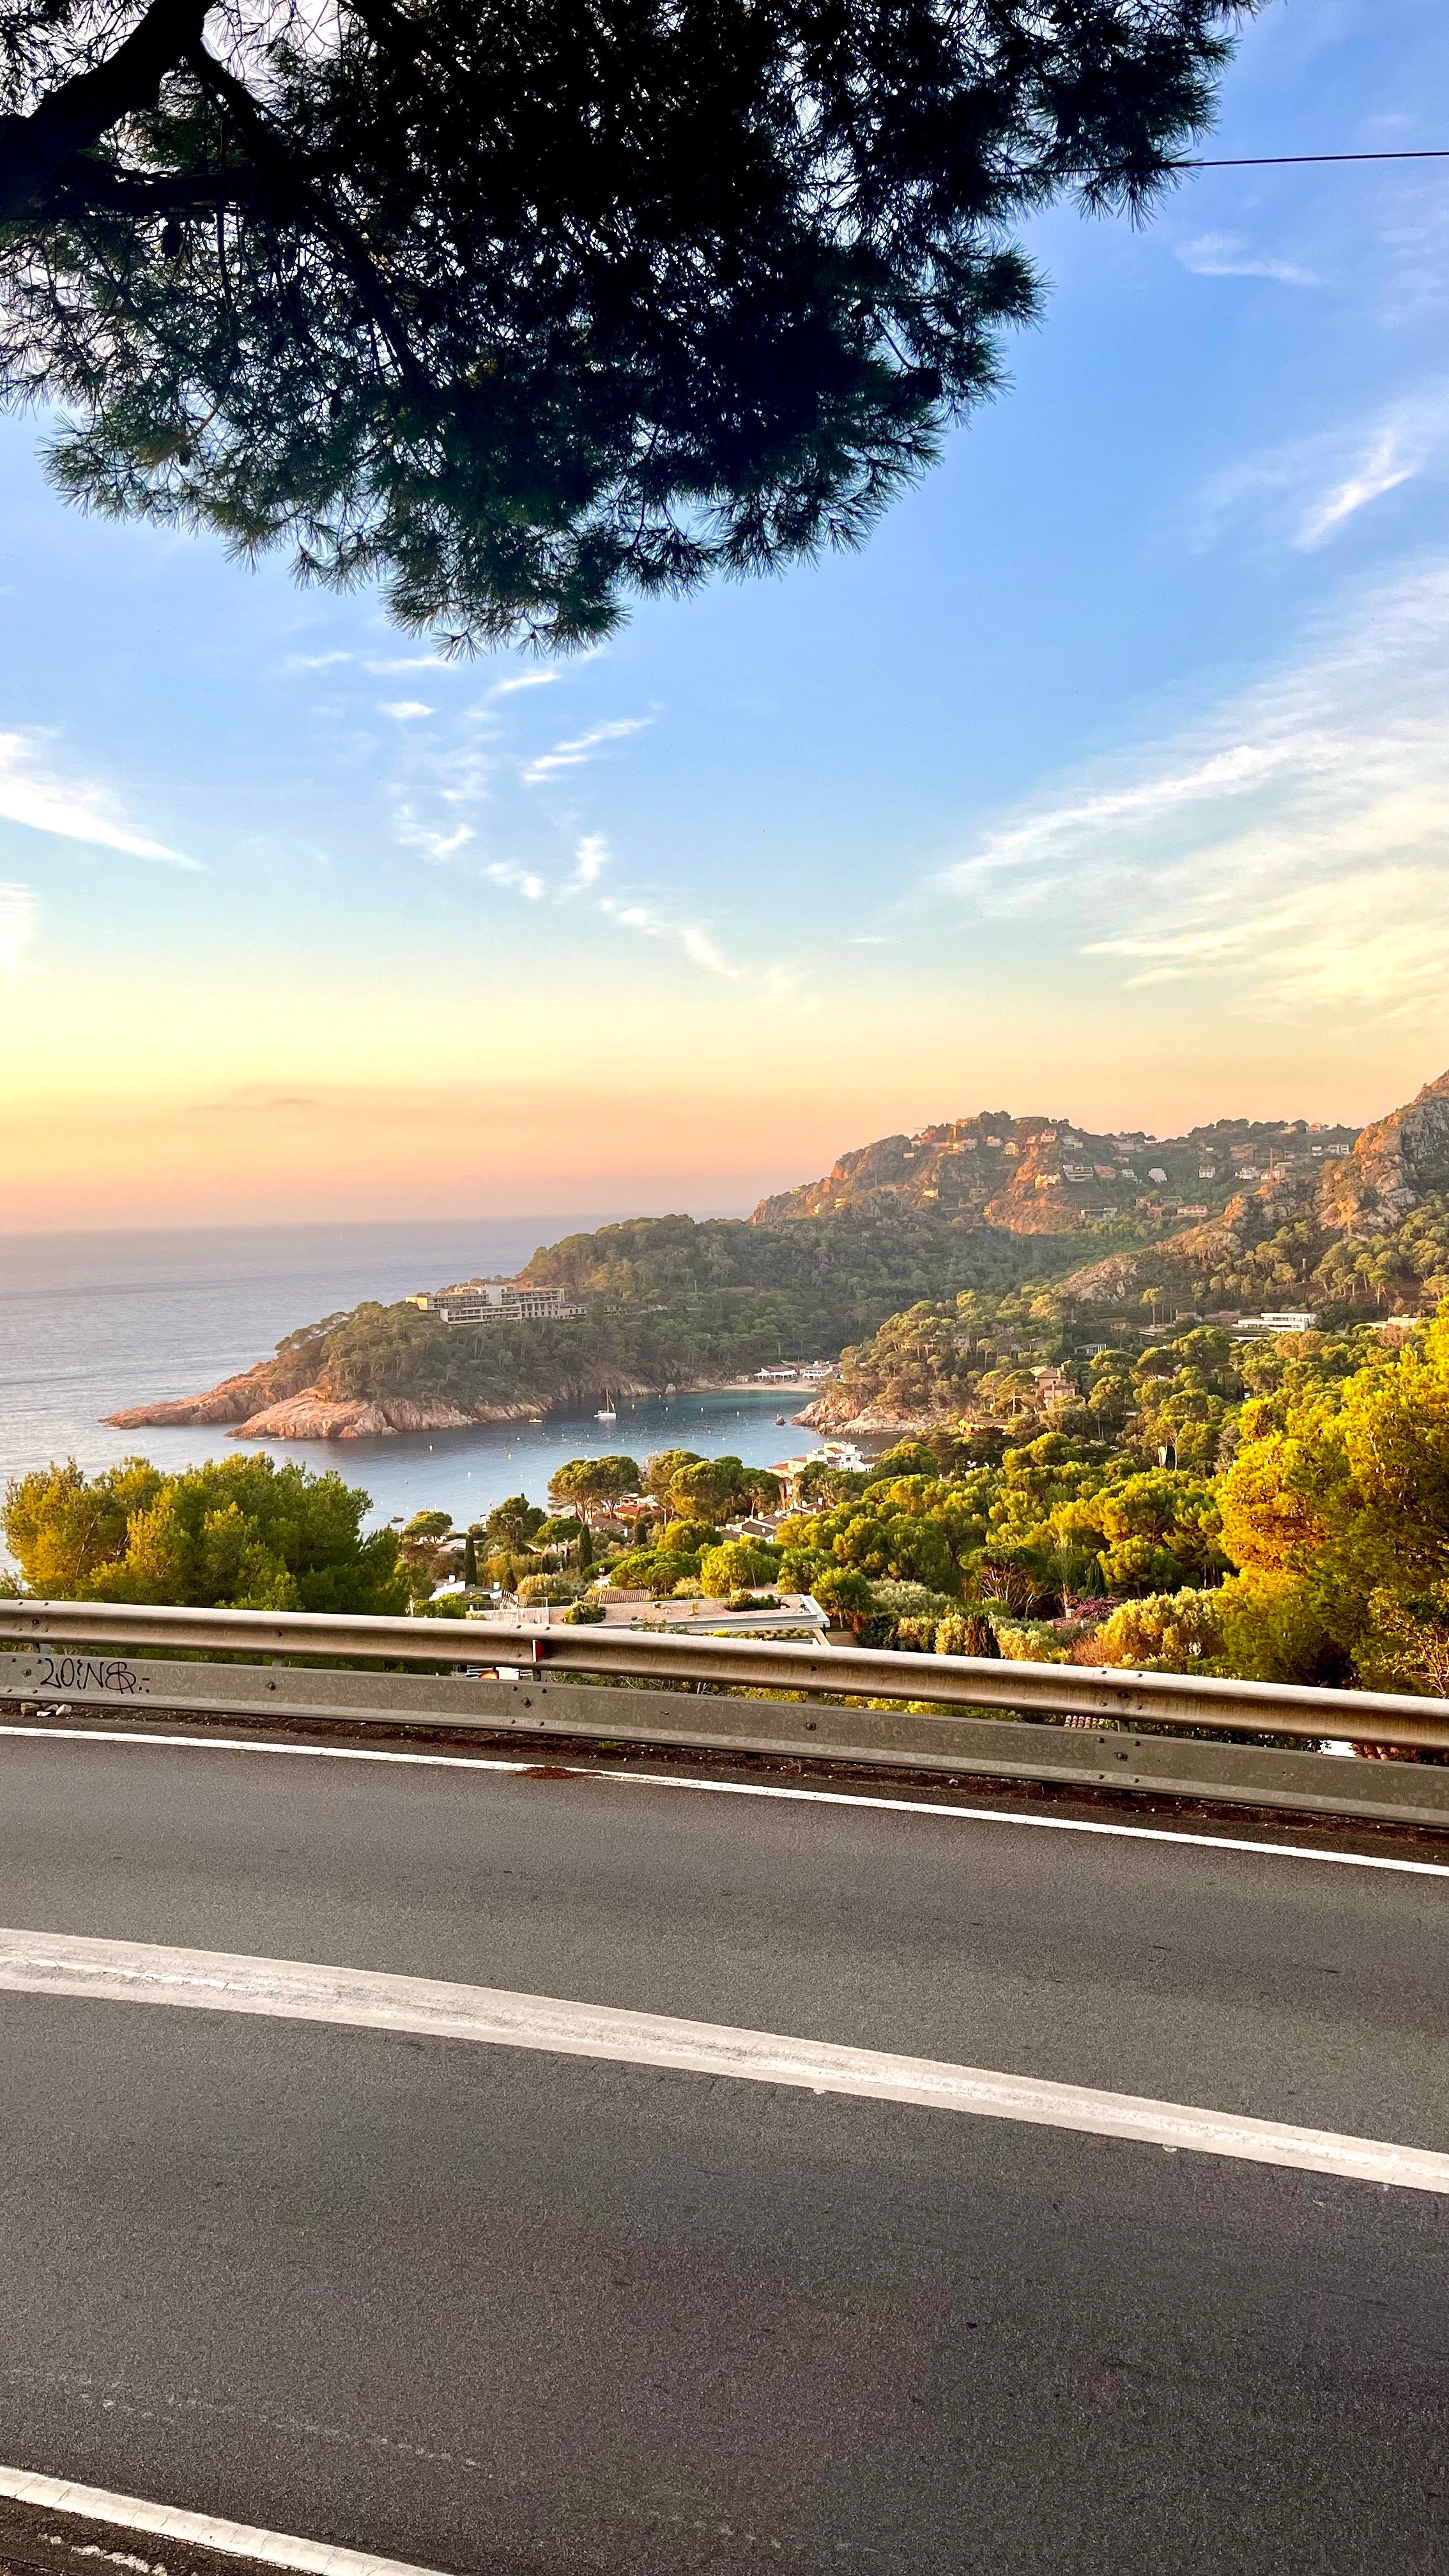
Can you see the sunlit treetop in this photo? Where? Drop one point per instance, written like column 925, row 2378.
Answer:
column 520, row 306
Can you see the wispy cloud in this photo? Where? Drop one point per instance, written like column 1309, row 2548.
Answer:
column 405, row 710
column 507, row 872
column 316, row 661
column 573, row 754
column 74, row 809
column 522, row 680
column 447, row 777
column 696, row 941
column 19, row 914
column 407, row 662
column 415, row 834
column 1311, row 487
column 590, row 859
column 1228, row 255
column 443, row 783
column 1293, row 849
column 1389, row 460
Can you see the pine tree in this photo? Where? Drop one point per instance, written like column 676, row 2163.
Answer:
column 525, row 305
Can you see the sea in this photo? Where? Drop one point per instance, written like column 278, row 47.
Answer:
column 90, row 1323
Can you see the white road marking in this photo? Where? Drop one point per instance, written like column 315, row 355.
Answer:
column 921, row 1807
column 294, row 1990
column 233, row 2539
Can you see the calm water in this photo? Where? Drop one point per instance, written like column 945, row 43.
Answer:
column 89, row 1323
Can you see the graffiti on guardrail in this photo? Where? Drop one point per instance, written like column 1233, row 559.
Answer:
column 80, row 1673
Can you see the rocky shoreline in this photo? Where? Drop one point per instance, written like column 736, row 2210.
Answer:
column 312, row 1414
column 837, row 1418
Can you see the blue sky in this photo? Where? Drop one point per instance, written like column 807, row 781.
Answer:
column 1110, row 779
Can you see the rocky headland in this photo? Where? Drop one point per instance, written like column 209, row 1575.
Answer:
column 268, row 1402
column 312, row 1415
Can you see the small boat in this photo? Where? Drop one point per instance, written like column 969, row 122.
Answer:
column 780, row 1420
column 606, row 1411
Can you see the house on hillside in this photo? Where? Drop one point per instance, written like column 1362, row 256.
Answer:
column 1054, row 1385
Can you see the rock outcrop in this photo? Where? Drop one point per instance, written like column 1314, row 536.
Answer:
column 1050, row 1176
column 1394, row 1164
column 311, row 1415
column 231, row 1402
column 250, row 1411
column 835, row 1415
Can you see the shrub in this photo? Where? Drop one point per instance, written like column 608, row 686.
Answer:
column 966, row 1632
column 1165, row 1632
column 916, row 1636
column 584, row 1614
column 845, row 1596
column 1035, row 1642
column 550, row 1588
column 907, row 1616
column 912, row 1600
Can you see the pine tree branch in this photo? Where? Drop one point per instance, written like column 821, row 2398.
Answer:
column 290, row 184
column 35, row 149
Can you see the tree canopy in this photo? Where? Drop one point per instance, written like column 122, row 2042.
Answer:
column 239, row 1533
column 525, row 305
column 590, row 1485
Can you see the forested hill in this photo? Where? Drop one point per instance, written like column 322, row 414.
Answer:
column 819, row 1280
column 1333, row 1214
column 665, row 1302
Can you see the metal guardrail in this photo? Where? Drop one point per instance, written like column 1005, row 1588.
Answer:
column 1084, row 1692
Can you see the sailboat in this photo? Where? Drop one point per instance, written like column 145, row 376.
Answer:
column 606, row 1411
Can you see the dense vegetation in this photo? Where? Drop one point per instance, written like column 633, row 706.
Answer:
column 809, row 1285
column 667, row 1301
column 978, row 1350
column 240, row 1533
column 1273, row 1509
column 1274, row 1253
column 1277, row 1510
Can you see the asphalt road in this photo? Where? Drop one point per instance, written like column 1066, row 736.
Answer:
column 491, row 2309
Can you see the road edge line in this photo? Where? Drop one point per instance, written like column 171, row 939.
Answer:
column 203, row 2531
column 523, row 1765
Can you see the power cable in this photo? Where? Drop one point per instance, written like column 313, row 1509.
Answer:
column 1300, row 160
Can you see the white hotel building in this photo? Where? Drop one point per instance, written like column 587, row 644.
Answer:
column 495, row 1301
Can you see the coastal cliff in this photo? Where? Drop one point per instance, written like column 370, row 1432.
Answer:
column 251, row 1409
column 311, row 1415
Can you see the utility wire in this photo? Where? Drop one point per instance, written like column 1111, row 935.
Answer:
column 1297, row 160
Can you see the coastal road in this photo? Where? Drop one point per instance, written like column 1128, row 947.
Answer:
column 510, row 2309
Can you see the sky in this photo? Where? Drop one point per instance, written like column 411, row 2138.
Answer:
column 1109, row 781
